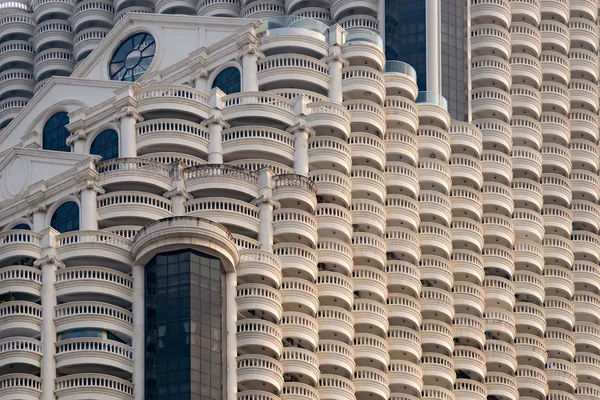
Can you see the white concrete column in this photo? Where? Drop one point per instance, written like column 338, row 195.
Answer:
column 301, row 132
column 48, row 264
column 201, row 80
column 266, row 204
column 128, row 117
column 381, row 20
column 178, row 195
column 89, row 206
column 215, row 125
column 77, row 141
column 39, row 218
column 336, row 63
column 434, row 49
column 231, row 336
column 139, row 345
column 250, row 56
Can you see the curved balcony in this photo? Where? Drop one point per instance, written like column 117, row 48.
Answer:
column 402, row 179
column 469, row 201
column 500, row 258
column 332, row 185
column 497, row 197
column 275, row 70
column 587, row 391
column 263, row 10
column 256, row 372
column 502, row 385
column 248, row 105
column 122, row 206
column 499, row 292
column 558, row 250
column 257, row 266
column 328, row 118
column 467, row 266
column 363, row 46
column 306, row 329
column 560, row 343
column 491, row 103
column 489, row 70
column 16, row 80
column 555, row 35
column 368, row 183
column 335, row 323
column 588, row 367
column 334, row 387
column 48, row 33
column 21, row 386
column 21, row 279
column 53, row 62
column 433, row 109
column 438, row 370
column 527, row 194
column 20, row 351
column 467, row 170
column 71, row 354
column 526, row 162
column 401, row 145
column 434, row 207
column 257, row 336
column 104, row 284
column 436, row 304
column 531, row 317
column 501, row 323
column 483, row 11
column 560, row 280
column 435, row 239
column 526, row 69
column 367, row 149
column 334, row 289
column 335, row 356
column 295, row 190
column 586, row 274
column 295, row 260
column 583, row 124
column 529, row 286
column 400, row 78
column 401, row 113
column 467, row 234
column 183, row 136
column 99, row 12
column 557, row 188
column 237, row 215
column 402, row 211
column 525, row 38
column 468, row 298
column 585, row 184
column 497, row 166
column 558, row 220
column 584, row 154
column 500, row 356
column 258, row 141
column 433, row 140
column 403, row 277
column 367, row 280
column 403, row 243
column 370, row 249
column 404, row 343
column 470, row 359
column 469, row 330
column 496, row 134
column 586, row 245
column 404, row 310
column 584, row 64
column 436, row 336
column 336, row 254
column 363, row 83
column 20, row 318
column 469, row 389
column 498, row 229
column 435, row 175
column 17, row 21
column 467, row 137
column 219, row 8
column 334, row 221
column 528, row 225
column 259, row 301
column 10, row 108
column 555, row 66
column 436, row 270
column 299, row 295
column 300, row 363
column 526, row 100
column 489, row 39
column 371, row 383
column 527, row 131
column 370, row 316
column 88, row 314
column 532, row 380
column 16, row 52
column 134, row 173
column 555, row 97
column 587, row 306
column 583, row 34
column 530, row 255
column 584, row 95
column 586, row 215
column 369, row 113
column 405, row 377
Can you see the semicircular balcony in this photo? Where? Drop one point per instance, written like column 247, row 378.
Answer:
column 528, row 225
column 21, row 279
column 529, row 286
column 525, row 69
column 363, row 83
column 370, row 350
column 527, row 131
column 94, row 283
column 558, row 9
column 497, row 135
column 558, row 250
column 334, row 221
column 491, row 103
column 587, row 306
column 584, row 64
column 370, row 316
column 328, row 152
column 502, row 385
column 257, row 336
column 434, row 207
column 402, row 179
column 336, row 357
column 299, row 295
column 247, row 106
column 404, row 343
column 558, row 220
column 526, row 100
column 555, row 35
column 529, row 255
column 583, row 95
column 557, row 188
column 485, row 11
column 584, row 154
column 219, row 8
column 295, row 190
column 42, row 7
column 586, row 245
column 371, row 383
column 501, row 323
column 499, row 292
column 332, row 387
column 17, row 53
column 470, row 389
column 73, row 247
column 489, row 70
column 186, row 7
column 555, row 66
column 583, row 125
column 530, row 318
column 497, row 197
column 437, row 304
column 329, row 119
column 336, row 255
column 400, row 77
column 585, row 185
column 532, row 381
column 258, row 372
column 21, row 352
column 433, row 110
column 587, row 390
column 583, row 34
column 18, row 21
column 467, row 137
column 259, row 266
column 363, row 46
column 403, row 243
column 560, row 343
column 561, row 373
column 258, row 141
column 335, row 323
column 498, row 229
column 471, row 360
column 405, row 377
column 468, row 298
column 95, row 353
column 92, row 13
column 370, row 249
column 132, row 208
column 277, row 71
column 560, row 281
column 490, row 39
column 367, row 113
column 89, row 314
column 367, row 149
column 435, row 239
column 10, row 108
column 500, row 259
column 500, row 356
column 467, row 201
column 401, row 211
column 404, row 310
column 21, row 386
column 497, row 166
column 435, row 175
column 586, row 275
column 527, row 194
column 555, row 97
column 52, row 62
column 19, row 82
column 401, row 113
column 466, row 170
column 525, row 38
column 467, row 266
column 305, row 328
column 403, row 277
column 341, row 8
column 18, row 244
column 181, row 101
column 526, row 162
column 332, row 186
column 526, row 10
column 301, row 364
column 436, row 336
column 370, row 281
column 469, row 330
column 437, row 271
column 238, row 216
column 401, row 145
column 467, row 234
column 438, row 370
column 588, row 367
column 134, row 174
column 260, row 301
column 334, row 289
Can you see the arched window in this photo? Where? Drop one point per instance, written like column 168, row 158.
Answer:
column 55, row 133
column 66, row 217
column 23, row 227
column 106, row 144
column 228, row 80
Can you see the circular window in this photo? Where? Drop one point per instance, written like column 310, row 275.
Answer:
column 132, row 58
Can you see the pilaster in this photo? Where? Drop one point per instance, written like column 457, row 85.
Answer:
column 302, row 132
column 89, row 191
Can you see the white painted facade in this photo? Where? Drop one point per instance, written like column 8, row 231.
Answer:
column 391, row 252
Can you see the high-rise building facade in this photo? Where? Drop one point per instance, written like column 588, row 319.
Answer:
column 263, row 200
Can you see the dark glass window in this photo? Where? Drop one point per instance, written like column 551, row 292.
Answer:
column 228, row 80
column 132, row 58
column 55, row 134
column 24, row 227
column 66, row 217
column 106, row 144
column 184, row 314
column 454, row 57
column 5, row 123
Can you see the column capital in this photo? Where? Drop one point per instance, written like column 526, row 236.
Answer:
column 200, row 73
column 48, row 260
column 90, row 185
column 76, row 136
column 267, row 200
column 40, row 208
column 250, row 49
column 128, row 111
column 178, row 191
column 336, row 57
column 301, row 126
column 216, row 119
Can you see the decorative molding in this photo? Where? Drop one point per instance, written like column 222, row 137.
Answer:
column 215, row 120
column 89, row 185
column 48, row 260
column 181, row 192
column 264, row 199
column 128, row 112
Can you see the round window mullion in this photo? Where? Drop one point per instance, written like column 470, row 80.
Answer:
column 128, row 62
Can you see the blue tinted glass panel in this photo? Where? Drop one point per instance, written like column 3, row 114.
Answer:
column 106, row 145
column 66, row 217
column 24, row 227
column 55, row 133
column 132, row 58
column 228, row 80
